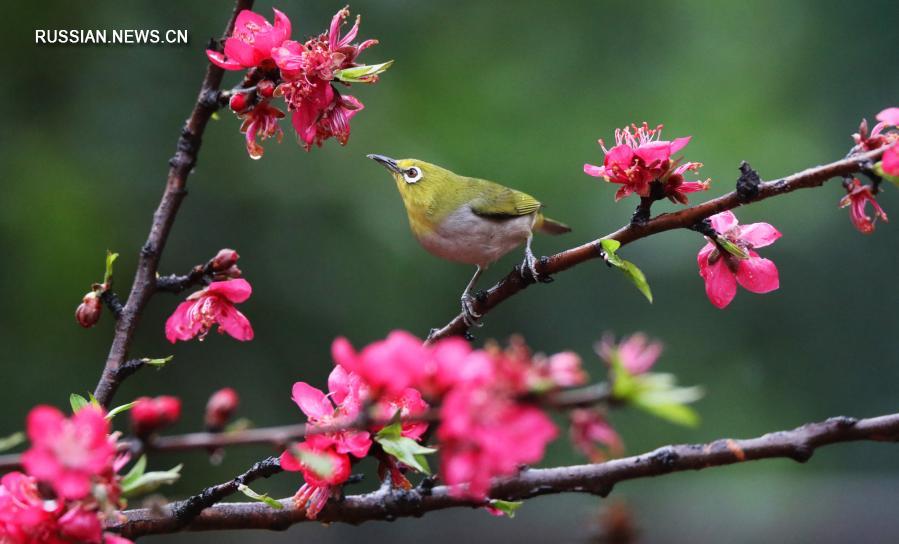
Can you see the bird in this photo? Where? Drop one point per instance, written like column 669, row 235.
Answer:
column 468, row 220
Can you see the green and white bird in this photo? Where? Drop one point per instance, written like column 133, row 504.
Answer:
column 467, row 220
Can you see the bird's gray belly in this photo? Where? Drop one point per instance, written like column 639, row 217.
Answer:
column 469, row 238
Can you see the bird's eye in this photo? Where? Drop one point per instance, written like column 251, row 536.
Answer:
column 412, row 175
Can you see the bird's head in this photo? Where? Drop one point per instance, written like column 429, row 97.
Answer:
column 416, row 180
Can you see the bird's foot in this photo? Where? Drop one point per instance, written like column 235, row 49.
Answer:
column 528, row 269
column 469, row 316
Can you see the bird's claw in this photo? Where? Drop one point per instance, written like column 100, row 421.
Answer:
column 469, row 316
column 530, row 265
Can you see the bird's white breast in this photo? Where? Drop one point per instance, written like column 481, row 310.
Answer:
column 466, row 237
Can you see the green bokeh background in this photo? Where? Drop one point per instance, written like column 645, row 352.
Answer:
column 517, row 92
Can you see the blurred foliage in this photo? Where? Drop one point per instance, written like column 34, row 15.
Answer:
column 517, row 92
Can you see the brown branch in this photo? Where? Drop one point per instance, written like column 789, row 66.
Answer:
column 685, row 218
column 598, row 479
column 148, row 263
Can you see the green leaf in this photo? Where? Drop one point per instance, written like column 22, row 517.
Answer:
column 136, row 472
column 110, row 260
column 158, row 362
column 261, row 498
column 404, row 449
column 362, row 74
column 240, row 424
column 11, row 441
column 506, row 507
column 630, row 270
column 119, row 409
column 78, row 402
column 732, row 248
column 679, row 414
column 150, row 481
column 320, row 464
column 656, row 393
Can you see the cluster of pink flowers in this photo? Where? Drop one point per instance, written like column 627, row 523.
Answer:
column 859, row 195
column 302, row 73
column 76, row 459
column 487, row 428
column 722, row 270
column 640, row 158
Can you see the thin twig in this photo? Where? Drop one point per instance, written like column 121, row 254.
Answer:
column 180, row 167
column 598, row 479
column 685, row 218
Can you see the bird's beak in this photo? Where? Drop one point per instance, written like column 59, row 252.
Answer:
column 386, row 161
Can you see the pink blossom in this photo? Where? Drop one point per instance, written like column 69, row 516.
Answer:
column 81, row 525
column 560, row 370
column 406, row 405
column 486, row 434
column 857, row 198
column 640, row 157
column 148, row 415
column 24, row 516
column 208, row 307
column 321, row 411
column 485, row 430
column 593, row 436
column 635, row 353
column 722, row 270
column 889, row 116
column 220, row 408
column 890, row 160
column 261, row 123
column 386, row 366
column 313, row 495
column 252, row 41
column 68, row 453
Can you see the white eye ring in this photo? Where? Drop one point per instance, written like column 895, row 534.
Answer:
column 412, row 175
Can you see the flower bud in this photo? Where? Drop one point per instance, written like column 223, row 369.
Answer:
column 88, row 312
column 238, row 102
column 266, row 88
column 149, row 415
column 223, row 260
column 221, row 406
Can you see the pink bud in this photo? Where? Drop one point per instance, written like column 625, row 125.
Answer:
column 148, row 415
column 221, row 406
column 266, row 88
column 224, row 259
column 88, row 312
column 238, row 102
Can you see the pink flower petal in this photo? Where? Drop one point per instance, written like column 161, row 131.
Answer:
column 679, row 143
column 889, row 116
column 890, row 160
column 236, row 290
column 724, row 221
column 720, row 284
column 222, row 61
column 179, row 326
column 290, row 463
column 759, row 234
column 233, row 322
column 654, row 153
column 311, row 401
column 595, row 171
column 757, row 275
column 44, row 424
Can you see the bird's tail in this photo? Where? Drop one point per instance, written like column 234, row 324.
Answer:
column 550, row 226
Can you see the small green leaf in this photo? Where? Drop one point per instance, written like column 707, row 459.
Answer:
column 158, row 362
column 78, row 402
column 732, row 248
column 321, row 465
column 679, row 414
column 136, row 472
column 119, row 409
column 11, row 441
column 110, row 260
column 404, row 449
column 150, row 481
column 240, row 424
column 630, row 270
column 261, row 498
column 362, row 74
column 506, row 507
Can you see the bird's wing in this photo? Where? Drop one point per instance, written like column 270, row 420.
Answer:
column 500, row 202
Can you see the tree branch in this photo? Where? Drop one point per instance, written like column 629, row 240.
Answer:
column 180, row 167
column 598, row 479
column 747, row 191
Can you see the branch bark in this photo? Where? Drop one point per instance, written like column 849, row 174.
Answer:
column 180, row 167
column 514, row 282
column 798, row 444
